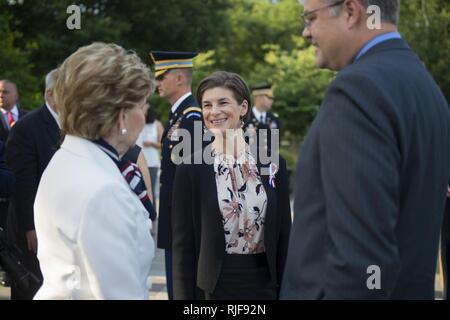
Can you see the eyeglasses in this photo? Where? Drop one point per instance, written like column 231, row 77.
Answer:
column 307, row 15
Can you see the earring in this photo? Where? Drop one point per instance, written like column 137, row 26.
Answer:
column 124, row 131
column 242, row 123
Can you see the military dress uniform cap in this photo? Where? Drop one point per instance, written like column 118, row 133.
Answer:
column 167, row 60
column 265, row 90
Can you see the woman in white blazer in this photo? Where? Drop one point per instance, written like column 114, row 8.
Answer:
column 92, row 225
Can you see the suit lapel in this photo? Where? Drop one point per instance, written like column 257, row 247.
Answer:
column 3, row 122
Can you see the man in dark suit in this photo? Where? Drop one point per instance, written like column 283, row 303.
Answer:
column 10, row 114
column 31, row 144
column 373, row 170
column 173, row 71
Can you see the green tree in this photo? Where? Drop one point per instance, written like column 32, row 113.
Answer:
column 425, row 24
column 15, row 62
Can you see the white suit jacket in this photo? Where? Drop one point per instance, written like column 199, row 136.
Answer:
column 93, row 233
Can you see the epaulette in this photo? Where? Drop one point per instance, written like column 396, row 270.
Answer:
column 192, row 112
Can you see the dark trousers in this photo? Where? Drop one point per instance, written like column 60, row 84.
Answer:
column 244, row 277
column 169, row 281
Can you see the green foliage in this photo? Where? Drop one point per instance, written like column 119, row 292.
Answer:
column 425, row 24
column 298, row 85
column 14, row 62
column 254, row 24
column 260, row 39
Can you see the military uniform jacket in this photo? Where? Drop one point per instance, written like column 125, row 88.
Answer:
column 272, row 122
column 186, row 114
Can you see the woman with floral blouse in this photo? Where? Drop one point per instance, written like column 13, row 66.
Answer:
column 230, row 222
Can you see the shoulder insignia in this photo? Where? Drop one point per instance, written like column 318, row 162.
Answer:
column 192, row 109
column 193, row 112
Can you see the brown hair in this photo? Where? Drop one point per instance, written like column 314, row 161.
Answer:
column 228, row 80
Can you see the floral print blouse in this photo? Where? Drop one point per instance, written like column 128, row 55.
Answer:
column 242, row 201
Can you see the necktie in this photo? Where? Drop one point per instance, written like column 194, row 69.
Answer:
column 261, row 119
column 11, row 120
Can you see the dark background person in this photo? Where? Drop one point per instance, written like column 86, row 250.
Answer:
column 260, row 116
column 230, row 225
column 32, row 142
column 90, row 214
column 173, row 71
column 261, row 121
column 374, row 168
column 10, row 114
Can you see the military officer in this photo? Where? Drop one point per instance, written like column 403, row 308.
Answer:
column 173, row 72
column 261, row 117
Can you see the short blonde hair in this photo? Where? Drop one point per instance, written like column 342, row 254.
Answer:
column 94, row 84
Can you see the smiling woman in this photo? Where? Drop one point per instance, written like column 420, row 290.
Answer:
column 225, row 213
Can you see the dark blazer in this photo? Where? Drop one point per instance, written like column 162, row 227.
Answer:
column 7, row 180
column 4, row 129
column 186, row 114
column 31, row 144
column 198, row 245
column 371, row 182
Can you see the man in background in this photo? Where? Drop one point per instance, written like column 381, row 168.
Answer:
column 173, row 71
column 10, row 114
column 31, row 144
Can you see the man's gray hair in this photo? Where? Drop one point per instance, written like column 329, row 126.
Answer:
column 390, row 9
column 50, row 80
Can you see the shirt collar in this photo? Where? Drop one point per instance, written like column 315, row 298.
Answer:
column 258, row 114
column 179, row 101
column 54, row 114
column 377, row 40
column 14, row 110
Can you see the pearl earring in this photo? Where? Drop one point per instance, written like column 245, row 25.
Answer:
column 124, row 131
